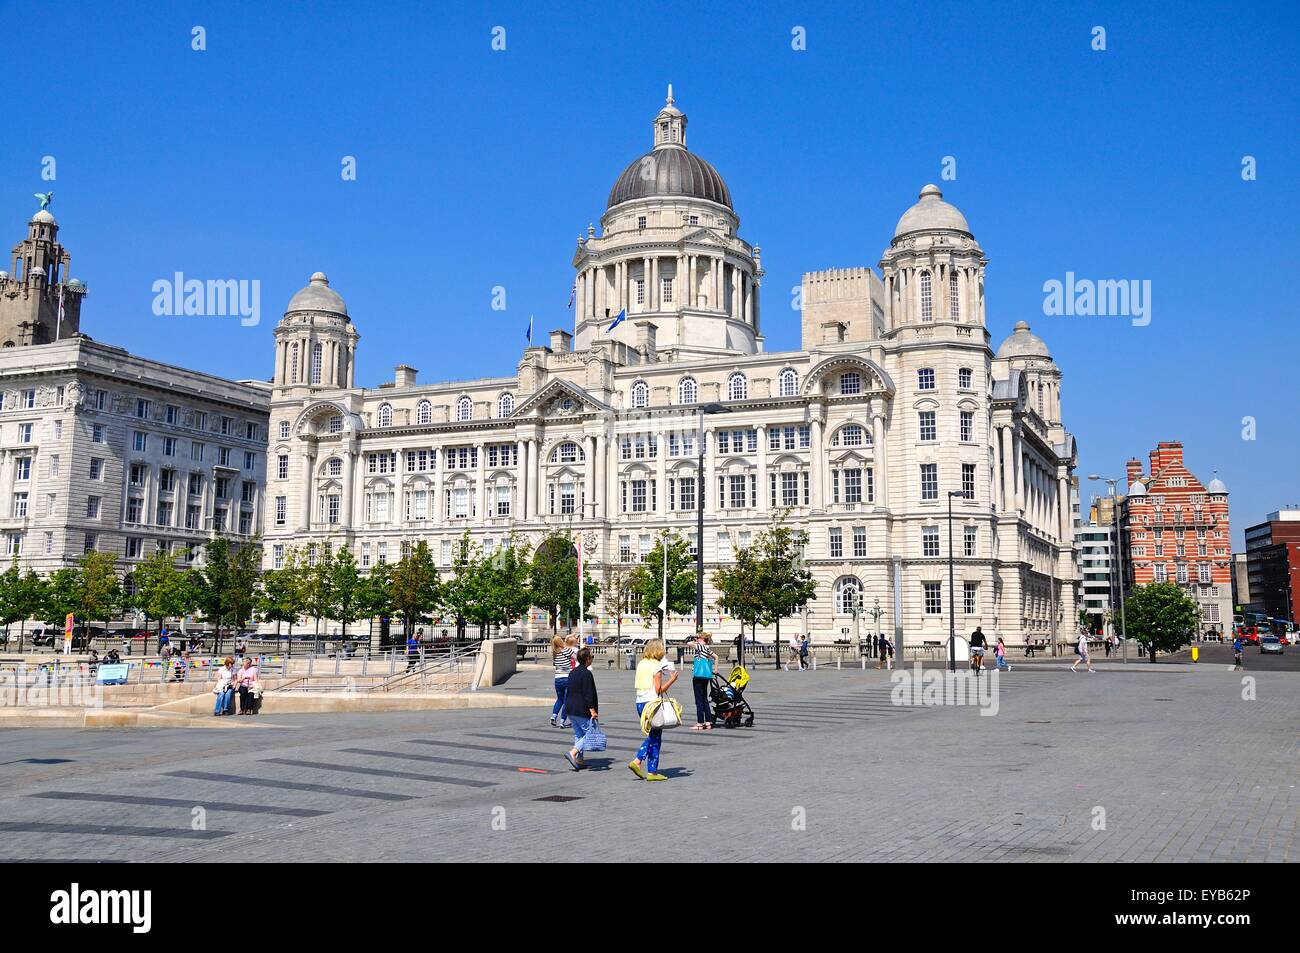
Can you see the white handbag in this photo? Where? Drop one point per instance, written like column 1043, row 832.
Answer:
column 661, row 714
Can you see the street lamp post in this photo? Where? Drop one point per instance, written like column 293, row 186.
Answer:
column 700, row 490
column 876, row 613
column 952, row 592
column 1118, row 561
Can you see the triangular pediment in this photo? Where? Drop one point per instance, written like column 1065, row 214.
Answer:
column 559, row 398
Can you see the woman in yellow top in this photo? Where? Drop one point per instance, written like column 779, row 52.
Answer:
column 654, row 676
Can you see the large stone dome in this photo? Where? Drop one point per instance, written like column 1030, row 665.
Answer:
column 931, row 212
column 670, row 169
column 1023, row 343
column 318, row 296
column 670, row 172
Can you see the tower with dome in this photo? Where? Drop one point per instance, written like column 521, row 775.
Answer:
column 896, row 405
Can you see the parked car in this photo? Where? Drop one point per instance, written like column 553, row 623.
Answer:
column 1270, row 645
column 42, row 637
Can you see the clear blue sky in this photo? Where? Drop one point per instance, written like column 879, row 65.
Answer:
column 479, row 168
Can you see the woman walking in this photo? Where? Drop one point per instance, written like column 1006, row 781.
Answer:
column 1000, row 655
column 225, row 703
column 654, row 676
column 563, row 657
column 581, row 706
column 1082, row 651
column 702, row 680
column 246, row 678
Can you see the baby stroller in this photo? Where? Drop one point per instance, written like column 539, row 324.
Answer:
column 729, row 705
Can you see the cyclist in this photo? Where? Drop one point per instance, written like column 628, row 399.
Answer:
column 977, row 645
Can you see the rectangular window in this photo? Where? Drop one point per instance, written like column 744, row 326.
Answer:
column 281, row 510
column 142, row 408
column 929, row 430
column 167, row 480
column 933, row 598
column 859, row 542
column 169, row 446
column 503, row 499
column 837, row 543
column 96, row 433
column 968, row 481
column 969, row 600
column 725, row 553
column 925, row 378
column 638, row 496
column 134, row 546
column 789, row 489
column 929, row 541
column 54, row 465
column 139, row 441
column 19, row 509
column 686, row 493
column 22, row 468
column 738, row 486
column 250, row 460
column 929, row 481
column 666, row 290
column 282, row 466
column 970, row 541
column 134, row 507
column 97, row 468
column 967, row 425
column 196, row 451
column 332, row 508
column 164, row 513
column 24, row 433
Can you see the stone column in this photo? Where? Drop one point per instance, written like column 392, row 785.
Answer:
column 1063, row 508
column 597, row 463
column 1018, row 458
column 530, row 480
column 518, row 507
column 735, row 310
column 764, row 491
column 817, row 467
column 661, row 476
column 1007, row 472
column 481, row 481
column 879, row 462
column 352, row 364
column 647, row 297
column 679, row 283
column 438, row 507
column 688, row 285
column 589, row 475
column 349, row 486
column 307, row 457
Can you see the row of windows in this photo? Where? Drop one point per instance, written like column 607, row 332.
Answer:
column 424, row 411
column 927, row 297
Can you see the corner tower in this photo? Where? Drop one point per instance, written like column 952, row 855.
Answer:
column 315, row 342
column 39, row 303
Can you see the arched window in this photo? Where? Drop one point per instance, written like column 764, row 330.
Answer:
column 284, row 430
column 850, row 384
column 568, row 452
column 965, row 377
column 385, row 415
column 505, row 404
column 317, row 354
column 850, row 435
column 687, row 391
column 640, row 394
column 954, row 297
column 788, row 383
column 848, row 596
column 464, row 409
column 927, row 309
column 293, row 363
column 424, row 412
column 737, row 387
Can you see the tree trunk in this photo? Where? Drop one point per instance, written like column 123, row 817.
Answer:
column 778, row 643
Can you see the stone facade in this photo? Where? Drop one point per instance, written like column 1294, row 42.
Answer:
column 895, row 399
column 102, row 449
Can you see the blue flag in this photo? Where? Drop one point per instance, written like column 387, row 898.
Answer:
column 528, row 336
column 622, row 316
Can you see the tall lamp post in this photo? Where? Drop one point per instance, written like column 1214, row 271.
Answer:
column 1118, row 562
column 876, row 613
column 700, row 490
column 952, row 592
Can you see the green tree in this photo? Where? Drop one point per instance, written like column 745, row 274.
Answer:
column 346, row 584
column 375, row 595
column 280, row 598
column 414, row 591
column 1162, row 617
column 161, row 590
column 620, row 595
column 318, row 585
column 30, row 596
column 61, row 595
column 242, row 584
column 10, row 609
column 212, row 585
column 740, row 590
column 504, row 588
column 553, row 575
column 648, row 580
column 99, row 590
column 786, row 583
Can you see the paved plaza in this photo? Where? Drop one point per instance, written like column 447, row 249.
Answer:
column 1133, row 763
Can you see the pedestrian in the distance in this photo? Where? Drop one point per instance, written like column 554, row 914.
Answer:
column 794, row 659
column 1238, row 646
column 563, row 657
column 803, row 650
column 654, row 676
column 1000, row 655
column 581, row 706
column 412, row 651
column 702, row 680
column 1082, row 651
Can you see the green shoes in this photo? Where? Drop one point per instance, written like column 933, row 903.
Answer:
column 637, row 769
column 655, row 777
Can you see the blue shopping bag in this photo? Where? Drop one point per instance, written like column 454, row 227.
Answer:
column 594, row 739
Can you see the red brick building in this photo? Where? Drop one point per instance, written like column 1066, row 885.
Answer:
column 1273, row 565
column 1174, row 528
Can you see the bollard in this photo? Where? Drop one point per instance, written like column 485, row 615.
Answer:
column 838, row 666
column 1196, row 653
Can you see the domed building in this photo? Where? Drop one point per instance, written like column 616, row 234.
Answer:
column 895, row 421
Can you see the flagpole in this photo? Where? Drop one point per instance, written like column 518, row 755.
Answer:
column 663, row 606
column 581, row 591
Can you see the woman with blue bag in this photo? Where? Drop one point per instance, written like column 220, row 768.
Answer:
column 702, row 680
column 581, row 706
